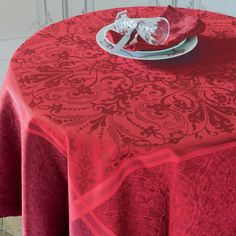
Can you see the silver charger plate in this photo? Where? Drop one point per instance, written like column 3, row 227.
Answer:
column 180, row 49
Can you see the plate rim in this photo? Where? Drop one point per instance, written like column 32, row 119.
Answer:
column 155, row 55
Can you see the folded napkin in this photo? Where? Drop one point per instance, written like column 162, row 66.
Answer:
column 181, row 27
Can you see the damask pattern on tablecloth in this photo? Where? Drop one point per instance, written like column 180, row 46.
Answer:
column 64, row 75
column 195, row 197
column 114, row 109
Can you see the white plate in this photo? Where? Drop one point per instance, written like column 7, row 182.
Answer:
column 178, row 50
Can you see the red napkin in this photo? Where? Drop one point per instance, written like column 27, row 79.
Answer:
column 181, row 27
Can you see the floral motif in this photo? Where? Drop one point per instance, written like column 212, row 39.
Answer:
column 117, row 108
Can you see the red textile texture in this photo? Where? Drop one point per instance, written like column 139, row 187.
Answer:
column 33, row 177
column 182, row 25
column 138, row 148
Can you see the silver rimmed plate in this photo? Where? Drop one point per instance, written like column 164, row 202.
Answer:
column 180, row 49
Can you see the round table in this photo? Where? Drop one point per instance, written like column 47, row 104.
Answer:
column 95, row 144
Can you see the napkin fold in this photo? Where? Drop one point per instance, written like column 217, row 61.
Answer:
column 181, row 27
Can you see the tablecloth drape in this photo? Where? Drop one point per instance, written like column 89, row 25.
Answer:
column 94, row 144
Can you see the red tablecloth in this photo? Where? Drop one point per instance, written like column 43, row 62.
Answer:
column 94, row 144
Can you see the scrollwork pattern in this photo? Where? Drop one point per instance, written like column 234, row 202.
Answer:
column 67, row 77
column 140, row 106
